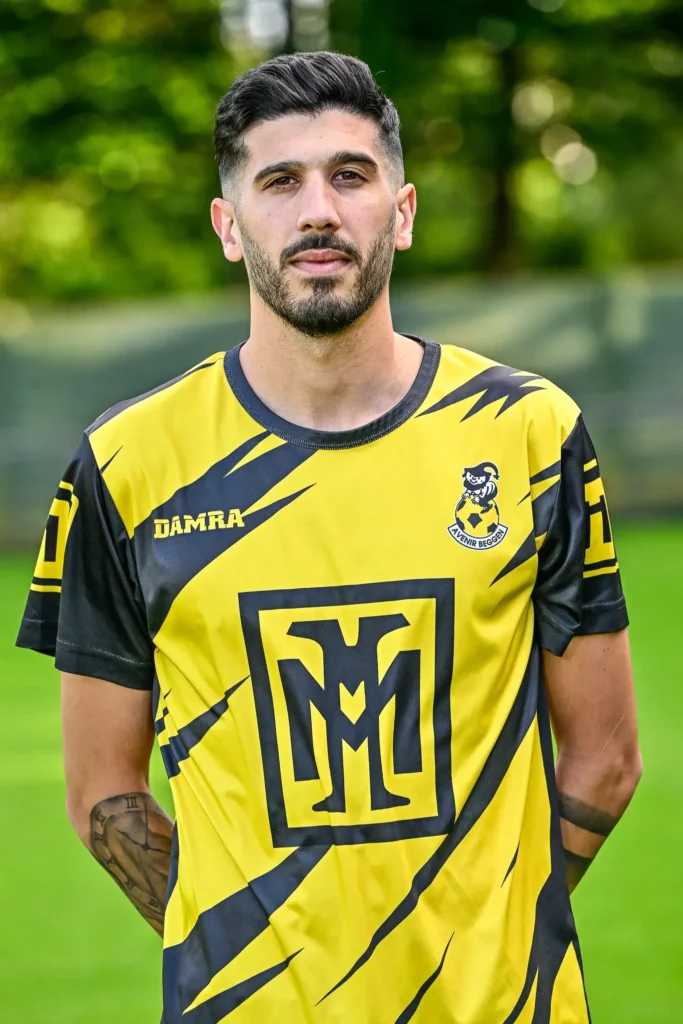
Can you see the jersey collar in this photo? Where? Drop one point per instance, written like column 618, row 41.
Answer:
column 310, row 438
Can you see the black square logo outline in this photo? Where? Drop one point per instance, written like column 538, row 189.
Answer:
column 442, row 592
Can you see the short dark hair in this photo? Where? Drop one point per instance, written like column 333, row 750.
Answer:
column 301, row 83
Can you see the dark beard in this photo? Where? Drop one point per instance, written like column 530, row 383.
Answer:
column 322, row 313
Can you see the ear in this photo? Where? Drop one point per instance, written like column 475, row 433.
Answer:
column 406, row 200
column 225, row 226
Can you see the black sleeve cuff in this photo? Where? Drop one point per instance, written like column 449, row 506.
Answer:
column 610, row 618
column 38, row 635
column 104, row 665
column 552, row 636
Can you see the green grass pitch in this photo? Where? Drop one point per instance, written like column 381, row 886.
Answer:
column 74, row 951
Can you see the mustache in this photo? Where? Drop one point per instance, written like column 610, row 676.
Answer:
column 325, row 241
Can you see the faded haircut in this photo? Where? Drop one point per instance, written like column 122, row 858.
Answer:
column 301, row 83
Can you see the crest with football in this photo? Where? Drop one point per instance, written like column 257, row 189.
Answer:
column 477, row 519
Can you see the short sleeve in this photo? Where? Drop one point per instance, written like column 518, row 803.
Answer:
column 85, row 606
column 578, row 587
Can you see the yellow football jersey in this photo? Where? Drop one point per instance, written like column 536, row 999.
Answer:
column 343, row 632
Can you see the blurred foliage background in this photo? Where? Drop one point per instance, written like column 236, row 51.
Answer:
column 540, row 134
column 545, row 138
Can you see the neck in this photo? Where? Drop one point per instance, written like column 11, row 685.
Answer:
column 331, row 383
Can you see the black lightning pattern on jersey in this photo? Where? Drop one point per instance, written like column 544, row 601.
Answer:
column 524, row 552
column 554, row 930
column 217, row 1007
column 511, row 866
column 160, row 723
column 110, row 460
column 173, row 863
column 513, row 732
column 411, row 1008
column 546, row 474
column 225, row 486
column 265, row 685
column 223, row 931
column 495, row 382
column 178, row 747
column 542, row 508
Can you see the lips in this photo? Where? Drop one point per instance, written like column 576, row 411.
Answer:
column 321, row 262
column 320, row 256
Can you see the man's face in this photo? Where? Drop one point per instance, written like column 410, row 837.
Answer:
column 317, row 218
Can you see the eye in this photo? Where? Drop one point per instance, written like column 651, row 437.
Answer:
column 282, row 181
column 348, row 175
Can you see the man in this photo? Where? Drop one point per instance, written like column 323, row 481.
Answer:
column 332, row 569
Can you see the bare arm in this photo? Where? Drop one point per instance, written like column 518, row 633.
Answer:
column 593, row 713
column 108, row 738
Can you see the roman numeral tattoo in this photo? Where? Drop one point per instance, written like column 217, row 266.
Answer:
column 130, row 835
column 584, row 830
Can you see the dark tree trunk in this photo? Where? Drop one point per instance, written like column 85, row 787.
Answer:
column 289, row 46
column 500, row 251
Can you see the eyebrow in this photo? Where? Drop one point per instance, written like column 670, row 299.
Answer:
column 342, row 157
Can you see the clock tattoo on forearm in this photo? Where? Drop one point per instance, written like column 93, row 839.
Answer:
column 130, row 835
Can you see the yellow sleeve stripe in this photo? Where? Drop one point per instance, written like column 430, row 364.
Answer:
column 601, row 572
column 46, row 590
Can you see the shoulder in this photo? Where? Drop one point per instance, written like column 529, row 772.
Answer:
column 475, row 383
column 148, row 446
column 167, row 398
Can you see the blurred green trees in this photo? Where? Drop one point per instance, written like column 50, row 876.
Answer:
column 540, row 133
column 105, row 146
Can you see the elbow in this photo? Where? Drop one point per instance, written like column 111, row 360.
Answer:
column 85, row 793
column 623, row 774
column 606, row 778
column 635, row 770
column 78, row 815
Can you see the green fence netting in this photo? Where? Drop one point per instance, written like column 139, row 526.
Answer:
column 613, row 343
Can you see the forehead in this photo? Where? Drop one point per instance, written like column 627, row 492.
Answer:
column 310, row 138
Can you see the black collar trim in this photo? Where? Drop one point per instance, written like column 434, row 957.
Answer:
column 384, row 424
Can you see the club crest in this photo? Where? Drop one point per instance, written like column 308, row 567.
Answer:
column 477, row 520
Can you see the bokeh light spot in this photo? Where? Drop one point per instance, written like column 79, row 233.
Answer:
column 119, row 170
column 555, row 137
column 538, row 191
column 498, row 33
column 665, row 59
column 58, row 225
column 575, row 163
column 533, row 104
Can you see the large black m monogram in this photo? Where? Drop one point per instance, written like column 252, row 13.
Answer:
column 421, row 696
column 350, row 666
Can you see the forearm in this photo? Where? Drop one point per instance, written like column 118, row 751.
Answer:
column 593, row 713
column 593, row 795
column 108, row 737
column 130, row 835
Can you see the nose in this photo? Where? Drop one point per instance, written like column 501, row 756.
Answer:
column 317, row 210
